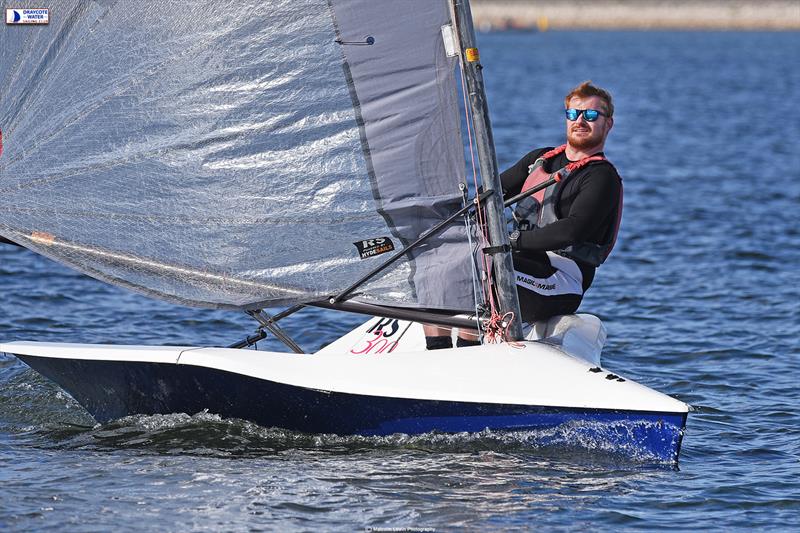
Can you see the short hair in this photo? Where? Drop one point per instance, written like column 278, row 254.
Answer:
column 585, row 90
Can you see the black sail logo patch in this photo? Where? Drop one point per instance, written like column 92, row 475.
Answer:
column 372, row 247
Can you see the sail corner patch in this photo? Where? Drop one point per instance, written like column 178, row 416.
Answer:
column 449, row 39
column 39, row 15
column 372, row 247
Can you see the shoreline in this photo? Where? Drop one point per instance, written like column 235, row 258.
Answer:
column 770, row 15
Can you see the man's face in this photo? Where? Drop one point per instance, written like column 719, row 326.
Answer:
column 582, row 134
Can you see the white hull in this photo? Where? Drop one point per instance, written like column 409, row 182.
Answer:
column 500, row 386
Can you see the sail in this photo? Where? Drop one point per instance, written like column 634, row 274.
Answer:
column 237, row 154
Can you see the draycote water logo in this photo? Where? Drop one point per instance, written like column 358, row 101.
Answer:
column 27, row 16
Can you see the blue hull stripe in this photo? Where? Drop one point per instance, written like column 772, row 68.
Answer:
column 112, row 389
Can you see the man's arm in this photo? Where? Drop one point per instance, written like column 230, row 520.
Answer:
column 588, row 217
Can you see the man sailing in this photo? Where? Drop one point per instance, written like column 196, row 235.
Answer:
column 565, row 231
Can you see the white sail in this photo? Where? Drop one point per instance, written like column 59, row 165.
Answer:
column 230, row 154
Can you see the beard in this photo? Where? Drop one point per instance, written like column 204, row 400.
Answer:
column 584, row 142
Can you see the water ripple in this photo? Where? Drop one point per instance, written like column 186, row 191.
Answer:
column 700, row 300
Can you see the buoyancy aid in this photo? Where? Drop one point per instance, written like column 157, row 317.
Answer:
column 539, row 209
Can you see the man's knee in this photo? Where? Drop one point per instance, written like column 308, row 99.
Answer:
column 534, row 306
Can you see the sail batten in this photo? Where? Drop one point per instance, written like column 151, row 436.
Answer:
column 228, row 154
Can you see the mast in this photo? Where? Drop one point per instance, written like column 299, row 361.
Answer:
column 503, row 266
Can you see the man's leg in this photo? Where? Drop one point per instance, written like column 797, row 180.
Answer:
column 437, row 337
column 544, row 290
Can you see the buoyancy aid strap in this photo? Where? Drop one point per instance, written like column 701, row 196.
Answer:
column 539, row 175
column 572, row 167
column 554, row 152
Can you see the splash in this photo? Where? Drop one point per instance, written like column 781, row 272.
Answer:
column 208, row 434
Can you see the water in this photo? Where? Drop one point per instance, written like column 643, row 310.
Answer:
column 700, row 299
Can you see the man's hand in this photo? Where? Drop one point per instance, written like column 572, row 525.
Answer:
column 513, row 238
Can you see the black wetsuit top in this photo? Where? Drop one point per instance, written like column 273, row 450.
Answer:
column 587, row 206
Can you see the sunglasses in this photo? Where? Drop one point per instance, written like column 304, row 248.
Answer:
column 589, row 114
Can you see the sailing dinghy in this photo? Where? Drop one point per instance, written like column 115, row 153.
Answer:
column 292, row 154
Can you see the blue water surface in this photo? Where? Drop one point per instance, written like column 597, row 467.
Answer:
column 700, row 300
